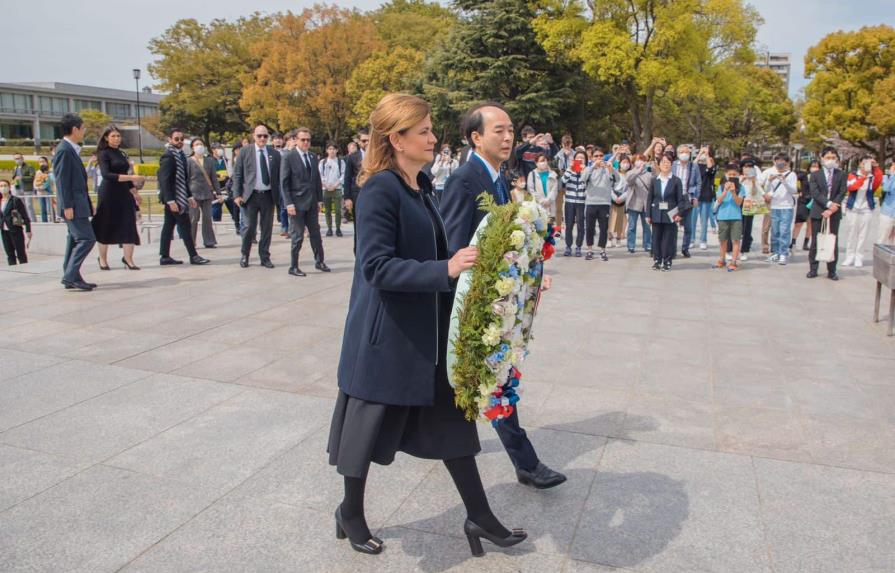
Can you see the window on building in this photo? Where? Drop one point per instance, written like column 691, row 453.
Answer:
column 147, row 110
column 82, row 104
column 53, row 105
column 50, row 132
column 118, row 110
column 15, row 103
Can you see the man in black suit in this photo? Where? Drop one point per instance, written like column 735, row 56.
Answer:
column 174, row 192
column 256, row 186
column 353, row 164
column 73, row 201
column 489, row 130
column 302, row 192
column 827, row 187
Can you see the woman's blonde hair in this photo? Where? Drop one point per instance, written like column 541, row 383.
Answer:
column 395, row 113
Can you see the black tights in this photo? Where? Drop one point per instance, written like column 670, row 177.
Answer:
column 467, row 480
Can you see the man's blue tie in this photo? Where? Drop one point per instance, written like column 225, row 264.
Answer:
column 501, row 188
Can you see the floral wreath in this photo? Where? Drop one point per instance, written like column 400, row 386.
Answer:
column 494, row 308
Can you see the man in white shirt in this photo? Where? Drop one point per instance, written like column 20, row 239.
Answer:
column 780, row 186
column 332, row 172
column 256, row 185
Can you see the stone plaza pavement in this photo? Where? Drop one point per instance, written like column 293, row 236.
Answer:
column 175, row 420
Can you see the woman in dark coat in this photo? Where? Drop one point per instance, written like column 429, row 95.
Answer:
column 115, row 221
column 665, row 202
column 14, row 224
column 393, row 389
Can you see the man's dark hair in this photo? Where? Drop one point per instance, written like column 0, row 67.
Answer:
column 174, row 130
column 527, row 130
column 474, row 120
column 303, row 130
column 276, row 135
column 830, row 149
column 363, row 131
column 781, row 157
column 69, row 122
column 732, row 166
column 331, row 144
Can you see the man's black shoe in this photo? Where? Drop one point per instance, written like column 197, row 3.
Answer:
column 541, row 477
column 197, row 260
column 297, row 272
column 338, row 233
column 322, row 267
column 811, row 274
column 79, row 285
column 211, row 246
column 329, row 232
column 267, row 264
column 169, row 261
column 244, row 262
column 833, row 277
column 686, row 253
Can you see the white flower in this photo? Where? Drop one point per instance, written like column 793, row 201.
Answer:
column 528, row 211
column 517, row 239
column 491, row 337
column 505, row 286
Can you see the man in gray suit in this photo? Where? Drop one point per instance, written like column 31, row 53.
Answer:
column 256, row 186
column 71, row 195
column 302, row 194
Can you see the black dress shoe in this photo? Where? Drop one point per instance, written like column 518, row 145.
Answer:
column 329, row 233
column 267, row 264
column 475, row 533
column 833, row 277
column 79, row 285
column 686, row 253
column 541, row 477
column 169, row 261
column 322, row 267
column 197, row 260
column 297, row 272
column 811, row 274
column 91, row 285
column 338, row 233
column 244, row 262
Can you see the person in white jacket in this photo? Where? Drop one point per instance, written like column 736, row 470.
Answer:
column 443, row 167
column 543, row 185
column 781, row 187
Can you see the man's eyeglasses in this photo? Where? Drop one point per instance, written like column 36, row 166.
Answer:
column 176, row 139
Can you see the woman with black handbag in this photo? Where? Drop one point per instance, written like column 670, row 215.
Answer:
column 14, row 225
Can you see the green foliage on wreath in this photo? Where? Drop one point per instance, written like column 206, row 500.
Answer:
column 475, row 314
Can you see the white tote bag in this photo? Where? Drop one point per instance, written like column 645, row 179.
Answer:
column 826, row 243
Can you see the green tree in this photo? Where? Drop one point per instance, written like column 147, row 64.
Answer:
column 201, row 67
column 395, row 70
column 849, row 96
column 650, row 50
column 95, row 122
column 492, row 54
column 414, row 24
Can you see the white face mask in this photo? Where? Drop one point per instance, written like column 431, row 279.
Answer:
column 830, row 163
column 684, row 157
column 638, row 164
column 624, row 166
column 542, row 166
column 199, row 150
column 867, row 166
column 749, row 172
column 219, row 153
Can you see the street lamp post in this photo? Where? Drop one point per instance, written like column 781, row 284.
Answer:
column 139, row 129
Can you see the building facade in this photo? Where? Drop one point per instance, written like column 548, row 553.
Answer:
column 32, row 110
column 779, row 63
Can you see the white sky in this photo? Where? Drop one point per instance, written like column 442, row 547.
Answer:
column 99, row 42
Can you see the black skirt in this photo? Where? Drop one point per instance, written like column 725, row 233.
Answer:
column 115, row 221
column 363, row 431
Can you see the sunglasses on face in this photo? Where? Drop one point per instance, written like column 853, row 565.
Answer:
column 176, row 139
column 300, row 139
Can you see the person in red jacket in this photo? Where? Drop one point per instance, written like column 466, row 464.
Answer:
column 859, row 205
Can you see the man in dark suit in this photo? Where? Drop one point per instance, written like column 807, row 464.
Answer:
column 353, row 164
column 302, row 192
column 827, row 187
column 256, row 185
column 73, row 201
column 489, row 130
column 174, row 193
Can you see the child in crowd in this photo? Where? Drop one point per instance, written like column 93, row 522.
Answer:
column 730, row 197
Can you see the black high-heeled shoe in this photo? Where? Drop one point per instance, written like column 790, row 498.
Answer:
column 129, row 266
column 101, row 267
column 372, row 546
column 475, row 533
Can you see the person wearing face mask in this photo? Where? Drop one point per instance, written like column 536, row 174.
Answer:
column 803, row 209
column 780, row 186
column 859, row 205
column 443, row 167
column 43, row 188
column 115, row 221
column 600, row 180
column 828, row 188
column 14, row 225
column 665, row 202
column 887, row 209
column 617, row 218
column 705, row 214
column 203, row 183
column 23, row 180
column 753, row 204
column 543, row 184
column 639, row 181
column 575, row 184
column 519, row 194
column 174, row 193
column 691, row 178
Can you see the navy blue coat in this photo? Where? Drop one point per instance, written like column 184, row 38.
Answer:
column 393, row 334
column 460, row 203
column 71, row 181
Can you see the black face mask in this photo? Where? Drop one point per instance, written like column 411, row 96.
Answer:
column 44, row 168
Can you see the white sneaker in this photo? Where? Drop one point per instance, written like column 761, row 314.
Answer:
column 728, row 257
column 773, row 258
column 781, row 261
column 849, row 261
column 744, row 257
column 703, row 246
column 859, row 262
